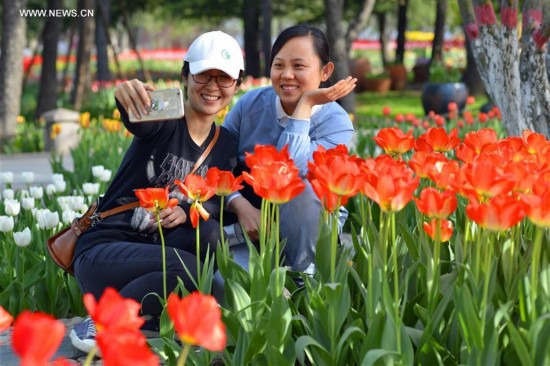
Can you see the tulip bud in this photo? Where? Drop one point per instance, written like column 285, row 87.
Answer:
column 22, row 238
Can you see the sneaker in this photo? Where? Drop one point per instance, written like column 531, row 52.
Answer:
column 83, row 335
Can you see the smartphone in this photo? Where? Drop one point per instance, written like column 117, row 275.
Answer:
column 165, row 104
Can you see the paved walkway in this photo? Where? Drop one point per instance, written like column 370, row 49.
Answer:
column 39, row 163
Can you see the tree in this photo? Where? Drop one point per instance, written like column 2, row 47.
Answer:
column 102, row 40
column 340, row 41
column 514, row 74
column 47, row 91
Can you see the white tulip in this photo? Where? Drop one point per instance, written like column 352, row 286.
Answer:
column 90, row 189
column 27, row 203
column 60, row 185
column 50, row 189
column 57, row 178
column 69, row 215
column 28, row 177
column 6, row 224
column 6, row 177
column 105, row 176
column 37, row 192
column 12, row 207
column 8, row 194
column 97, row 171
column 47, row 219
column 22, row 238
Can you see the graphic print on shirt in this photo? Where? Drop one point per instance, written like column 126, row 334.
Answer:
column 171, row 168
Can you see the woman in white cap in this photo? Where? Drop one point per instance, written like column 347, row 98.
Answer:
column 123, row 251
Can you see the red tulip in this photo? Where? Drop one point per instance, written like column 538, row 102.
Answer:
column 155, row 199
column 445, row 229
column 537, row 204
column 113, row 311
column 266, row 154
column 277, row 182
column 437, row 139
column 5, row 319
column 224, row 181
column 475, row 143
column 436, row 204
column 197, row 189
column 121, row 347
column 390, row 183
column 36, row 337
column 394, row 141
column 198, row 320
column 500, row 213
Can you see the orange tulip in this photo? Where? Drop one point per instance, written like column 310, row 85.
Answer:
column 436, row 204
column 443, row 173
column 475, row 143
column 266, row 154
column 537, row 204
column 125, row 347
column 224, row 181
column 197, row 189
column 36, row 337
column 330, row 201
column 197, row 320
column 437, row 139
column 277, row 182
column 390, row 183
column 445, row 229
column 394, row 141
column 500, row 213
column 5, row 319
column 514, row 149
column 113, row 311
column 422, row 163
column 155, row 199
column 534, row 142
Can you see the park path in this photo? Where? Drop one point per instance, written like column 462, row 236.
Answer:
column 39, row 163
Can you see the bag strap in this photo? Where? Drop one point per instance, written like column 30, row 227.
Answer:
column 206, row 151
column 198, row 163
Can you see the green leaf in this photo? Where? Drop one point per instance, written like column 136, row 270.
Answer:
column 278, row 330
column 470, row 324
column 376, row 354
column 322, row 252
column 304, row 342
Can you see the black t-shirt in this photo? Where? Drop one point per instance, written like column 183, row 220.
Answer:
column 159, row 153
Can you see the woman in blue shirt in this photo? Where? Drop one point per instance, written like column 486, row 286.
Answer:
column 299, row 111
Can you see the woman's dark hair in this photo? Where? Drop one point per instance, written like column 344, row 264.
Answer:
column 320, row 43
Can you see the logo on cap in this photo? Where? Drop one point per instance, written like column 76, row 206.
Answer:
column 226, row 54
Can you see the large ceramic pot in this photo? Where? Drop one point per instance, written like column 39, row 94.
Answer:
column 437, row 96
column 398, row 75
column 378, row 85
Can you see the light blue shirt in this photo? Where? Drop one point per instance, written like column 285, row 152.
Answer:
column 257, row 119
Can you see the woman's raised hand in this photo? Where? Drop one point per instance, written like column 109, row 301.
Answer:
column 132, row 94
column 323, row 96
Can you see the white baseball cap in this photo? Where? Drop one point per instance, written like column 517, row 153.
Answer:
column 215, row 50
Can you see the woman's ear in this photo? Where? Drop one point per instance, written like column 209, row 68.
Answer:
column 327, row 71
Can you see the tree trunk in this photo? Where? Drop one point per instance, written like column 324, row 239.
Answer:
column 47, row 92
column 65, row 78
column 401, row 29
column 101, row 40
column 11, row 66
column 519, row 89
column 383, row 38
column 339, row 51
column 83, row 56
column 439, row 31
column 251, row 34
column 266, row 35
column 471, row 76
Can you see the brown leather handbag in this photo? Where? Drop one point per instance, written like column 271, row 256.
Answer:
column 61, row 246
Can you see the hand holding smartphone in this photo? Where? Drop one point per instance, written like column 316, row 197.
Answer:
column 165, row 105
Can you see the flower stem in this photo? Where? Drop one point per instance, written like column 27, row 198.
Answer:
column 395, row 281
column 277, row 247
column 198, row 253
column 535, row 255
column 163, row 258
column 183, row 355
column 90, row 357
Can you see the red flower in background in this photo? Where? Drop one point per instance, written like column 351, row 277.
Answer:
column 394, row 141
column 36, row 337
column 500, row 213
column 390, row 183
column 445, row 229
column 223, row 181
column 197, row 320
column 197, row 189
column 436, row 204
column 437, row 139
column 155, row 199
column 5, row 319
